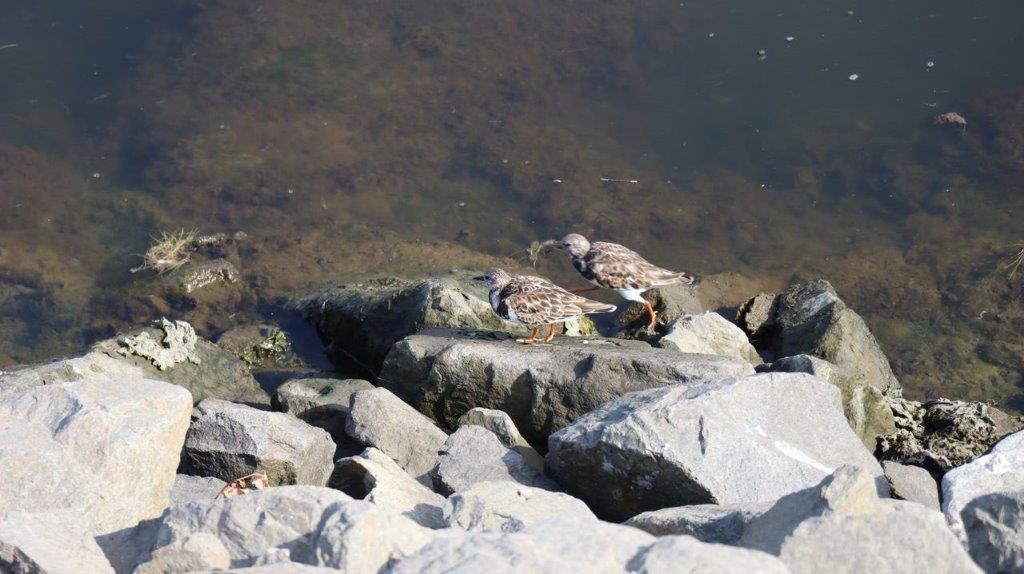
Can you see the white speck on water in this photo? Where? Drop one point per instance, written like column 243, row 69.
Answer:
column 853, row 77
column 291, row 191
column 930, row 64
column 96, row 175
column 462, row 204
column 556, row 181
column 790, row 38
column 711, row 34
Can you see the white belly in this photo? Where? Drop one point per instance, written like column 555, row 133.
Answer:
column 632, row 294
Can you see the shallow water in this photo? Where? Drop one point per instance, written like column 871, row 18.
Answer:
column 352, row 139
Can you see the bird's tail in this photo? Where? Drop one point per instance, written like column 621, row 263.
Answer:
column 589, row 306
column 666, row 277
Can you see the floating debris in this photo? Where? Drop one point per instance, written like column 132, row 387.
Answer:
column 790, row 38
column 1013, row 264
column 538, row 247
column 618, row 180
column 950, row 118
column 762, row 54
column 244, row 485
column 853, row 77
column 929, row 64
column 169, row 251
column 5, row 46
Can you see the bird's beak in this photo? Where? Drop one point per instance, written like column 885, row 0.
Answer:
column 479, row 278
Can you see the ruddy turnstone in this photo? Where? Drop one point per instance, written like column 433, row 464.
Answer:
column 613, row 266
column 535, row 301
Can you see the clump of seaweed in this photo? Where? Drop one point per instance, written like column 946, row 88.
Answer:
column 169, row 251
column 538, row 247
column 1013, row 264
column 274, row 347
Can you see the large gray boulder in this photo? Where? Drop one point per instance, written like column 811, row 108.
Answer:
column 51, row 541
column 736, row 440
column 474, row 454
column 673, row 554
column 911, row 483
column 323, row 403
column 551, row 546
column 811, row 319
column 372, row 476
column 999, row 472
column 104, row 449
column 240, row 531
column 865, row 407
column 719, row 523
column 994, row 526
column 169, row 352
column 188, row 488
column 709, row 334
column 841, row 525
column 379, row 419
column 363, row 320
column 503, row 506
column 228, row 440
column 501, row 425
column 445, row 373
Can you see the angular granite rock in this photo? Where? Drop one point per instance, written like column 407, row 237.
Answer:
column 51, row 541
column 106, row 449
column 737, row 440
column 361, row 538
column 499, row 423
column 994, row 526
column 841, row 525
column 1000, row 471
column 474, row 454
column 672, row 554
column 718, row 523
column 379, row 419
column 811, row 319
column 374, row 477
column 670, row 302
column 228, row 440
column 554, row 545
column 238, row 532
column 709, row 334
column 189, row 488
column 542, row 387
column 757, row 316
column 322, row 403
column 865, row 407
column 912, row 483
column 503, row 506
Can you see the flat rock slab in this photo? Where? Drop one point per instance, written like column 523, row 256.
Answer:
column 718, row 523
column 188, row 488
column 503, row 506
column 737, row 440
column 502, row 426
column 104, row 449
column 228, row 441
column 474, row 454
column 543, row 387
column 912, row 483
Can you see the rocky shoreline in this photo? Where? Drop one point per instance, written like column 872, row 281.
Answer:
column 775, row 440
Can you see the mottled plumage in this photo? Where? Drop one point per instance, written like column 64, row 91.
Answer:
column 535, row 301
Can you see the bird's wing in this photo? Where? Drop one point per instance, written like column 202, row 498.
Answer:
column 536, row 300
column 620, row 267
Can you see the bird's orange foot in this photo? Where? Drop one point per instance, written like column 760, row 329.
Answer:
column 551, row 333
column 531, row 339
column 652, row 314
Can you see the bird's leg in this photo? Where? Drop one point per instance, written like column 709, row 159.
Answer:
column 578, row 290
column 551, row 333
column 531, row 339
column 652, row 314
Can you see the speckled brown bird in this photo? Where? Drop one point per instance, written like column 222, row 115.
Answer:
column 616, row 267
column 535, row 302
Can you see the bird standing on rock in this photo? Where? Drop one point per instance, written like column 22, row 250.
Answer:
column 535, row 302
column 613, row 266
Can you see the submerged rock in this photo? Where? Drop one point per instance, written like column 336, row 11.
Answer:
column 374, row 477
column 736, row 440
column 228, row 441
column 719, row 523
column 866, row 408
column 104, row 449
column 542, row 387
column 474, row 454
column 841, row 525
column 197, row 275
column 709, row 334
column 504, row 506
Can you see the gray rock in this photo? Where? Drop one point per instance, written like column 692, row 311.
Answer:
column 737, row 440
column 361, row 538
column 672, row 554
column 217, row 373
column 277, row 568
column 322, row 403
column 1000, row 471
column 379, row 419
column 865, row 407
column 813, row 320
column 474, row 454
column 551, row 546
column 994, row 526
column 189, row 488
column 52, row 541
column 912, row 483
column 229, row 440
column 757, row 316
column 374, row 477
column 106, row 450
column 723, row 524
column 841, row 525
column 542, row 387
column 505, row 506
column 499, row 423
column 240, row 531
column 197, row 275
column 709, row 334
column 362, row 321
column 942, row 434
